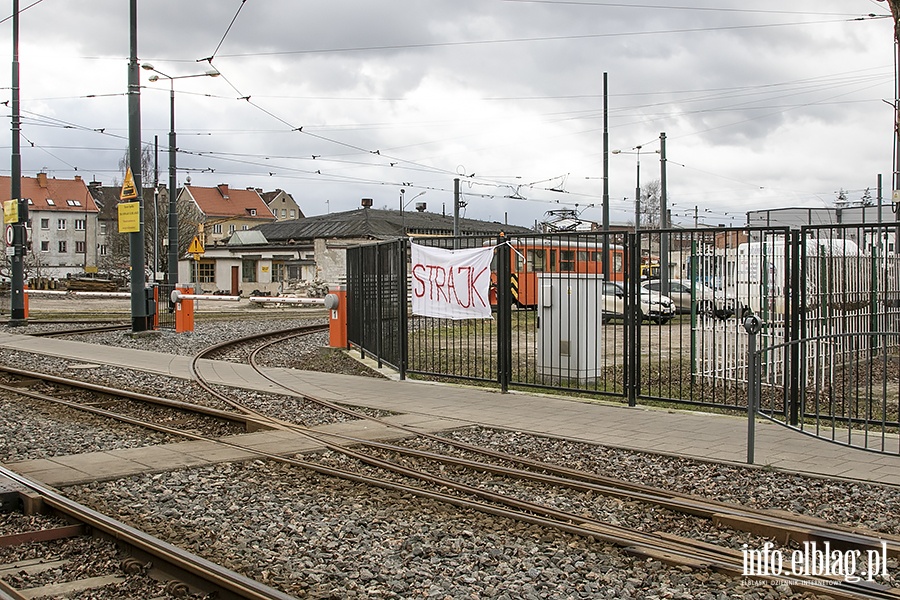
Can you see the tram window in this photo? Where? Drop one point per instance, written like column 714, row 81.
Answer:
column 595, row 257
column 617, row 263
column 566, row 260
column 582, row 256
column 535, row 260
column 553, row 260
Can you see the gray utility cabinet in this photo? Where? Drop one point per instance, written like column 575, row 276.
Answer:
column 569, row 341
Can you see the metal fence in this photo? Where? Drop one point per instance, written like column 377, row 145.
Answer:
column 582, row 312
column 165, row 308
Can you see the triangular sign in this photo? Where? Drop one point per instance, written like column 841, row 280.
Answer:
column 196, row 247
column 129, row 191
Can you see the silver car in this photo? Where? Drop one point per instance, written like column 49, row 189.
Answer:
column 654, row 306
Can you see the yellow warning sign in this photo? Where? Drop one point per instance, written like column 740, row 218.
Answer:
column 129, row 217
column 196, row 247
column 11, row 211
column 129, row 190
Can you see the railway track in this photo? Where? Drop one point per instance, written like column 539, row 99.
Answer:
column 144, row 566
column 388, row 466
column 787, row 528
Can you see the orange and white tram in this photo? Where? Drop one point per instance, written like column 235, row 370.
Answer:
column 530, row 256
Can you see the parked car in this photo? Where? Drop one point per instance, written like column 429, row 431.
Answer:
column 654, row 306
column 710, row 302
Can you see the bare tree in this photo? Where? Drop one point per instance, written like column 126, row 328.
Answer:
column 147, row 166
column 651, row 194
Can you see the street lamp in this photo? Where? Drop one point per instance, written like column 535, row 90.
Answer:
column 172, row 252
column 403, row 205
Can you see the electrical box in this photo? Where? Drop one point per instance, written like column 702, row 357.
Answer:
column 570, row 317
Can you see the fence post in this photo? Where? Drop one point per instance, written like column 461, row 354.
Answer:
column 632, row 323
column 403, row 321
column 504, row 315
column 379, row 290
column 794, row 336
column 753, row 325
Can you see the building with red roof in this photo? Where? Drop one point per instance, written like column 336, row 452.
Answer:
column 62, row 225
column 223, row 210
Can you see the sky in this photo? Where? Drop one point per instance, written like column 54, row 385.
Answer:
column 764, row 104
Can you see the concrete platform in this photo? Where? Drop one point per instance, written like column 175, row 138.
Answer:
column 691, row 434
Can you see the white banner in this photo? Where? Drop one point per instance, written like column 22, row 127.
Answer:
column 451, row 284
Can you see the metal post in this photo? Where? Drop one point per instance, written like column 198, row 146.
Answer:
column 794, row 334
column 17, row 288
column 752, row 395
column 605, row 257
column 455, row 213
column 172, row 251
column 403, row 321
column 664, row 218
column 632, row 324
column 155, row 206
column 136, row 240
column 637, row 193
column 504, row 315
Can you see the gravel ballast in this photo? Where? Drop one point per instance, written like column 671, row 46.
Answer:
column 314, row 536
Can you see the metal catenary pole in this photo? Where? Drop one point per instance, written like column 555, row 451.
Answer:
column 139, row 321
column 17, row 289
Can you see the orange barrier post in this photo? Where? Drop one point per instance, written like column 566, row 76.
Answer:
column 156, row 312
column 336, row 303
column 184, row 312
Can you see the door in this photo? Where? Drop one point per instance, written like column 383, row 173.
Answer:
column 235, row 279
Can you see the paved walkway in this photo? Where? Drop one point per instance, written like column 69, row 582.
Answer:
column 691, row 434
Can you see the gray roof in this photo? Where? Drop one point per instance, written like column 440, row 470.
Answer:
column 379, row 224
column 246, row 238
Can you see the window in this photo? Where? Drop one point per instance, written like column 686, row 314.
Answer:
column 279, row 272
column 206, row 271
column 80, row 224
column 252, row 212
column 45, row 246
column 79, row 247
column 30, row 203
column 28, row 223
column 62, row 246
column 102, row 249
column 45, row 223
column 231, row 228
column 535, row 259
column 248, row 271
column 217, row 228
column 50, row 202
column 245, row 227
column 283, row 213
column 618, row 263
column 73, row 202
column 293, row 213
column 566, row 260
column 102, row 228
column 61, row 224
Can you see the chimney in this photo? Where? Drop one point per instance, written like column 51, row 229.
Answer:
column 223, row 189
column 78, row 178
column 42, row 180
column 366, row 202
column 420, row 206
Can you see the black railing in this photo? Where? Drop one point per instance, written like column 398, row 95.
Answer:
column 561, row 321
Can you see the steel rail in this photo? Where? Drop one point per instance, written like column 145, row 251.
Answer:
column 774, row 524
column 189, row 568
column 241, row 418
column 658, row 546
column 694, row 507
